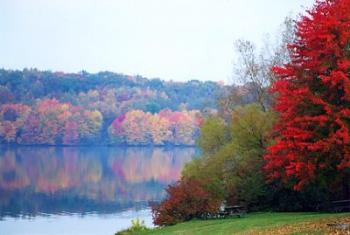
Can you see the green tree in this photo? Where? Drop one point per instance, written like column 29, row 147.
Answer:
column 244, row 177
column 213, row 135
column 232, row 164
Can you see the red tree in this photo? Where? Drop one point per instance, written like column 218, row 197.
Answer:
column 313, row 99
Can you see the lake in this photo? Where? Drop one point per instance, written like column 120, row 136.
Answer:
column 83, row 190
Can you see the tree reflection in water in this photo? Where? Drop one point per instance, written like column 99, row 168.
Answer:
column 55, row 180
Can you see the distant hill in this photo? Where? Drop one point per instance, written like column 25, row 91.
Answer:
column 43, row 107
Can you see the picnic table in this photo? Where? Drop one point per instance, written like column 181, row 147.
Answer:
column 342, row 205
column 235, row 210
column 226, row 211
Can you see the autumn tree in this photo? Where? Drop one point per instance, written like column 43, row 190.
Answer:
column 12, row 118
column 53, row 122
column 137, row 127
column 312, row 136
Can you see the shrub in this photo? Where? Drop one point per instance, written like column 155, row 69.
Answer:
column 187, row 199
column 137, row 226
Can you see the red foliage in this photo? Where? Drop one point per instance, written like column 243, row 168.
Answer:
column 313, row 99
column 11, row 112
column 12, row 117
column 186, row 200
column 52, row 122
column 137, row 127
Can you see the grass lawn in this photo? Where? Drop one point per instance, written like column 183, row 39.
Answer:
column 261, row 223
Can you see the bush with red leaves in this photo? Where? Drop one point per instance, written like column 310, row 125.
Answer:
column 187, row 199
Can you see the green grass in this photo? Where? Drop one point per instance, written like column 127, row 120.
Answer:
column 257, row 223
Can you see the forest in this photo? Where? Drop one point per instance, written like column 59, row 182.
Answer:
column 56, row 108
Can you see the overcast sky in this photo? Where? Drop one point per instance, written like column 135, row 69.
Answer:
column 169, row 39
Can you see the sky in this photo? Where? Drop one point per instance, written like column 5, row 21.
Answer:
column 169, row 39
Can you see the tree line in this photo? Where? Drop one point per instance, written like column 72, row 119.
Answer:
column 51, row 122
column 55, row 108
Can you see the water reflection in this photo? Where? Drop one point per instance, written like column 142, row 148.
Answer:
column 102, row 180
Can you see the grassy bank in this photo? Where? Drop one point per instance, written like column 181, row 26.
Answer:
column 261, row 223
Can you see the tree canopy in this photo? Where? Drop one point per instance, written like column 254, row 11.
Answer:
column 312, row 135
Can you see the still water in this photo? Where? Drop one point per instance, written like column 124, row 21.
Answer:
column 83, row 190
